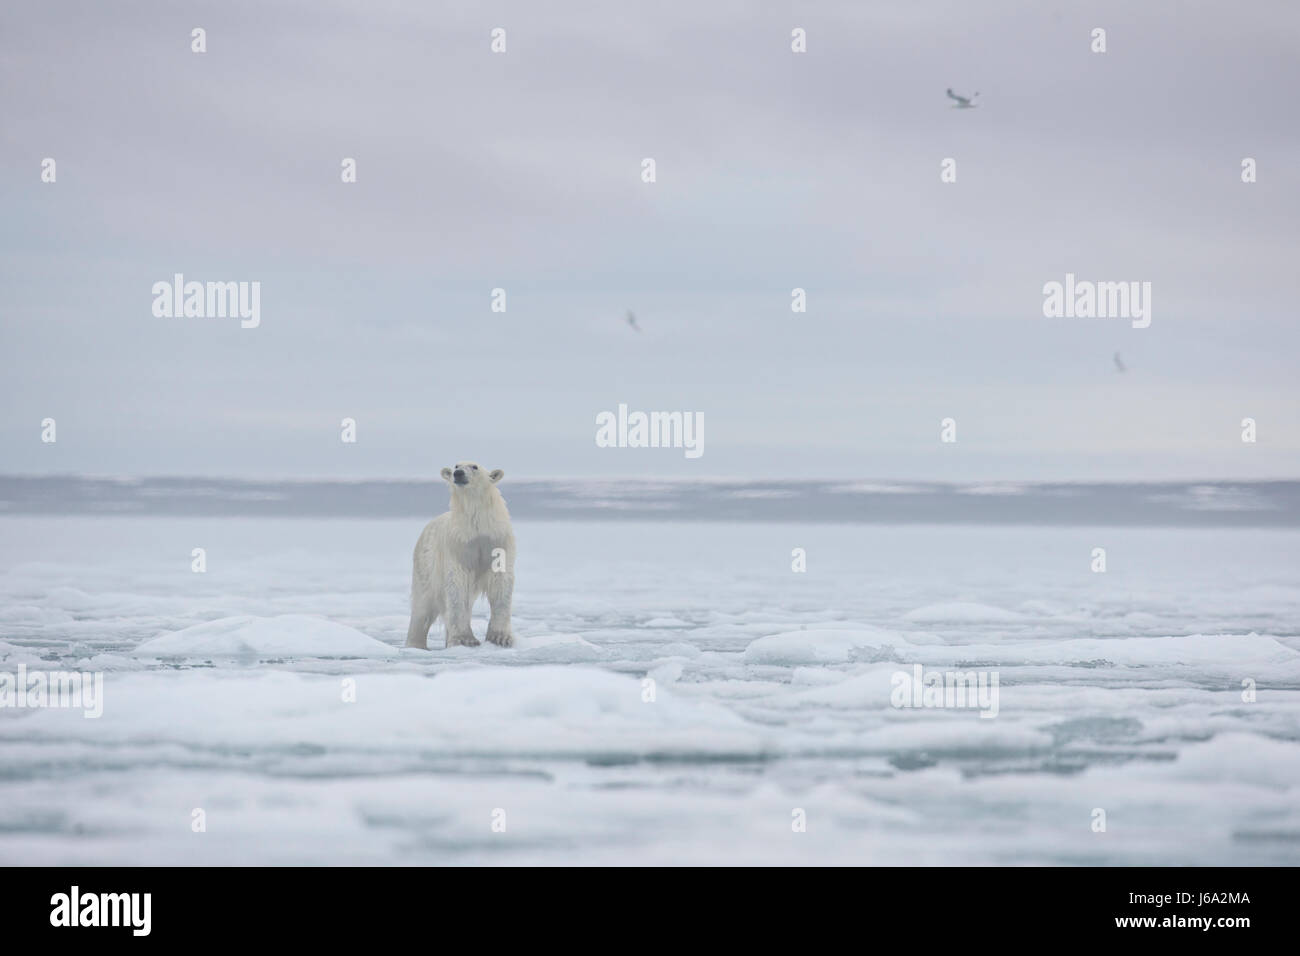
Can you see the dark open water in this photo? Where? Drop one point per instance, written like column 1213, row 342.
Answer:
column 1192, row 504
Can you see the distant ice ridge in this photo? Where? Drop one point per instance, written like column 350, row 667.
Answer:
column 1225, row 656
column 962, row 613
column 284, row 636
column 544, row 710
column 1191, row 504
column 823, row 645
column 302, row 637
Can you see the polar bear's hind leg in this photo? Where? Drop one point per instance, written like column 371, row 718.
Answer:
column 424, row 608
column 417, row 635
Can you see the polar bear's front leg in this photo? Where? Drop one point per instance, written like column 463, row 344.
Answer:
column 500, row 590
column 460, row 600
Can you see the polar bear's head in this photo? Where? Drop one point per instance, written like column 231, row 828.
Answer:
column 468, row 476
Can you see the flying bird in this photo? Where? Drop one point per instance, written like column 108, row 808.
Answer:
column 963, row 102
column 1119, row 364
column 631, row 320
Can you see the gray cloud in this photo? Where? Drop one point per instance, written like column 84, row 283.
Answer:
column 775, row 171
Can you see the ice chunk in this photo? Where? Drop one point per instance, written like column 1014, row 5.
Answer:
column 285, row 636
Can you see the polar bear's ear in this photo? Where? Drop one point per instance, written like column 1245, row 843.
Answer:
column 496, row 474
column 446, row 474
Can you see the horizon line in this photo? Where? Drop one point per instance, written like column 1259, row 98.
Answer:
column 665, row 479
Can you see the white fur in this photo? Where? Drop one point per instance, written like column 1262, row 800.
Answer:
column 453, row 562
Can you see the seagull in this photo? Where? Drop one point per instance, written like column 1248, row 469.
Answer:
column 631, row 320
column 963, row 102
column 1119, row 364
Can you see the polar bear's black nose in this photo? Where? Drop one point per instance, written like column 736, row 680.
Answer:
column 458, row 474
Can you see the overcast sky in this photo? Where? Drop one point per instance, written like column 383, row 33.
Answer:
column 775, row 170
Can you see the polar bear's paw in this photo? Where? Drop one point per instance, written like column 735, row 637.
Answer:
column 462, row 640
column 501, row 638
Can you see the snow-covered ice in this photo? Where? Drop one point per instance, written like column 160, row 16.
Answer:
column 262, row 638
column 676, row 694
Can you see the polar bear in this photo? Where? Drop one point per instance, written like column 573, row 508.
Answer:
column 467, row 552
